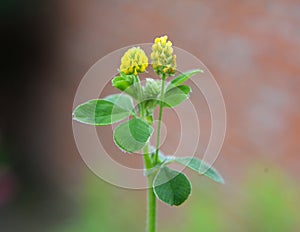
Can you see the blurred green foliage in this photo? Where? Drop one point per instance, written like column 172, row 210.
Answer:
column 272, row 202
column 264, row 201
column 107, row 208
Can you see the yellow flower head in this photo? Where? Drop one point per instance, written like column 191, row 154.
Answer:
column 163, row 60
column 134, row 61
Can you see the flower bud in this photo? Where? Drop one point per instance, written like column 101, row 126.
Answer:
column 152, row 88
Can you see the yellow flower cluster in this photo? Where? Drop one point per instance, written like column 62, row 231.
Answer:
column 134, row 61
column 163, row 60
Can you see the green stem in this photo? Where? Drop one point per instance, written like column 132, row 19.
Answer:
column 151, row 211
column 147, row 159
column 151, row 198
column 159, row 118
column 140, row 96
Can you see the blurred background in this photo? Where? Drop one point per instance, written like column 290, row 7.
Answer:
column 251, row 47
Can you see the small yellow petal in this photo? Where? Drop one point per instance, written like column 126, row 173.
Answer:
column 169, row 43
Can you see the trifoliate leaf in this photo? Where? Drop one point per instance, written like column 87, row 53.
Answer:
column 198, row 166
column 182, row 78
column 100, row 112
column 176, row 95
column 132, row 135
column 121, row 100
column 171, row 187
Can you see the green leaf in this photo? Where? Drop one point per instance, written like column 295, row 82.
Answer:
column 102, row 112
column 183, row 77
column 176, row 95
column 171, row 187
column 121, row 100
column 132, row 135
column 198, row 166
column 125, row 83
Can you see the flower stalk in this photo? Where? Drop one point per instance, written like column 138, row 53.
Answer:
column 161, row 102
